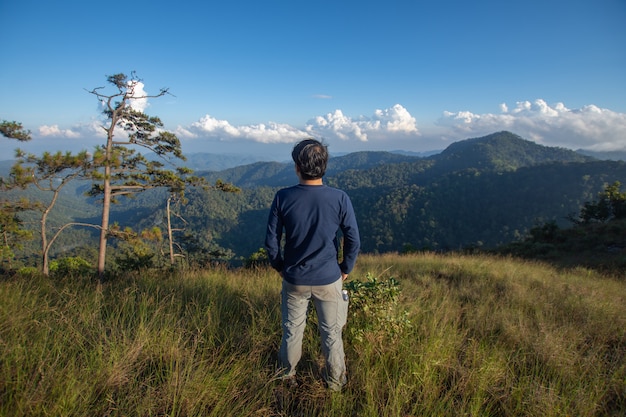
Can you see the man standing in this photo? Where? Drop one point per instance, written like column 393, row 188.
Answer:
column 311, row 214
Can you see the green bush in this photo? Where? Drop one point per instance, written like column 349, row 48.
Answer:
column 70, row 266
column 258, row 258
column 28, row 272
column 374, row 308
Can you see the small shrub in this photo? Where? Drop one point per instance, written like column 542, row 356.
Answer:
column 257, row 259
column 28, row 272
column 135, row 259
column 374, row 308
column 73, row 265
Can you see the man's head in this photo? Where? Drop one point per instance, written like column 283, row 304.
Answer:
column 311, row 158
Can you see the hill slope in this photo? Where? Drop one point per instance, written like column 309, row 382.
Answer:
column 503, row 151
column 481, row 192
column 277, row 174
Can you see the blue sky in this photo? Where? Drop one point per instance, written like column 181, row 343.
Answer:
column 255, row 76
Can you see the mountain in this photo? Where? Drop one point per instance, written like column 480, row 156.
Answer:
column 282, row 174
column 420, row 154
column 480, row 192
column 605, row 156
column 218, row 162
column 503, row 151
column 203, row 161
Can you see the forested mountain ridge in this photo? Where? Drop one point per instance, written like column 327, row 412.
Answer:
column 501, row 151
column 277, row 174
column 481, row 192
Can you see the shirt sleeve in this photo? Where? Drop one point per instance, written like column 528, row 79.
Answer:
column 351, row 238
column 274, row 235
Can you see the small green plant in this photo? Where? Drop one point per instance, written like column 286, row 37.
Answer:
column 70, row 266
column 28, row 272
column 611, row 204
column 258, row 258
column 374, row 308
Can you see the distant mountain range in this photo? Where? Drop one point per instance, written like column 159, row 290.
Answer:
column 477, row 192
column 503, row 151
column 205, row 161
column 221, row 162
column 605, row 156
column 480, row 192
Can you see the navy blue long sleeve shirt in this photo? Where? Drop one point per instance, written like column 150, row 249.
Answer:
column 311, row 216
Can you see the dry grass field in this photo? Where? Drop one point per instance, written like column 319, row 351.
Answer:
column 485, row 336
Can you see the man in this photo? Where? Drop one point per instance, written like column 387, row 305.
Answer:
column 311, row 214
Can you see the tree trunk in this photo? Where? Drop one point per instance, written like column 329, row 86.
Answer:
column 44, row 245
column 106, row 207
column 169, row 231
column 106, row 199
column 45, row 264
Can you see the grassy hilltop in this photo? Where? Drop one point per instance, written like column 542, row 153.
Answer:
column 488, row 336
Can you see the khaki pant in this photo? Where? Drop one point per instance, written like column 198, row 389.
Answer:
column 332, row 312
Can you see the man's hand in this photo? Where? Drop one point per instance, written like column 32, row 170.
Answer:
column 344, row 276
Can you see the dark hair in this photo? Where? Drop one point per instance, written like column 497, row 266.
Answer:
column 311, row 157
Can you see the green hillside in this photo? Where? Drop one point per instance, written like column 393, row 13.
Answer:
column 275, row 174
column 502, row 151
column 478, row 193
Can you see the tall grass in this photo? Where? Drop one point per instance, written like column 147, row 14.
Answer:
column 488, row 337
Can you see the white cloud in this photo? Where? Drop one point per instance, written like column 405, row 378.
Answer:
column 183, row 132
column 396, row 119
column 272, row 133
column 138, row 103
column 90, row 130
column 55, row 131
column 383, row 123
column 53, row 138
column 335, row 125
column 589, row 127
column 212, row 128
column 141, row 102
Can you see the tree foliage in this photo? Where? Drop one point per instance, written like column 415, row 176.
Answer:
column 14, row 130
column 49, row 173
column 11, row 226
column 610, row 204
column 12, row 230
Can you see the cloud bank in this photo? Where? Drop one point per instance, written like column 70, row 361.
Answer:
column 589, row 127
column 331, row 126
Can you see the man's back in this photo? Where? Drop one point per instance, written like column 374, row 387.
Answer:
column 311, row 215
